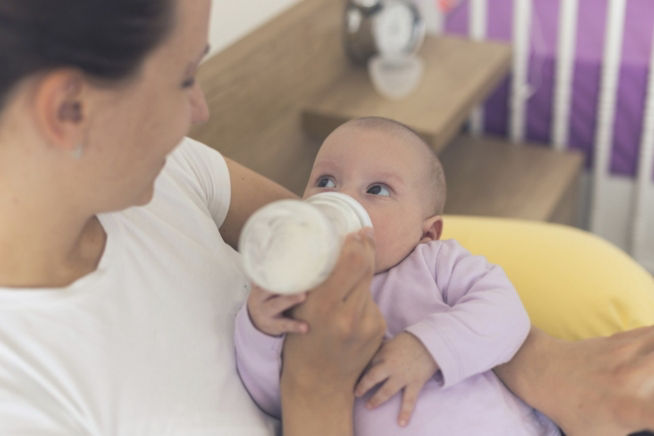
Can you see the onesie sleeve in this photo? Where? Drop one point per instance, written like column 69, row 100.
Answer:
column 486, row 322
column 259, row 363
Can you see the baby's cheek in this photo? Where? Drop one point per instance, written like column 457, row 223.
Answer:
column 387, row 253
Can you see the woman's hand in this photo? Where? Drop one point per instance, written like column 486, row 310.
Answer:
column 599, row 386
column 322, row 366
column 610, row 383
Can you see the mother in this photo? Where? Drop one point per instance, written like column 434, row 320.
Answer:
column 117, row 281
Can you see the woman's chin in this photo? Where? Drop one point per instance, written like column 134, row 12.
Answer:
column 146, row 197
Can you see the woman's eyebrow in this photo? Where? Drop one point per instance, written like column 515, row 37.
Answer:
column 206, row 51
column 194, row 64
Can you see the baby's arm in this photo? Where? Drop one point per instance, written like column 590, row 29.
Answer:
column 486, row 323
column 484, row 327
column 402, row 364
column 258, row 343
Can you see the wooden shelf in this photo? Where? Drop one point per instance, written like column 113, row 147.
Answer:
column 255, row 89
column 459, row 73
column 492, row 177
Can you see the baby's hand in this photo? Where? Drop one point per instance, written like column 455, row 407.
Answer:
column 266, row 311
column 401, row 363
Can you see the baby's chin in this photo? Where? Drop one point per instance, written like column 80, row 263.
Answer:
column 384, row 263
column 382, row 266
column 381, row 270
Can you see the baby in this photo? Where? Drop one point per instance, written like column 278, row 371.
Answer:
column 451, row 316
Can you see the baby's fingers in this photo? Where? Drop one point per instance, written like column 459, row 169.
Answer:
column 386, row 391
column 279, row 326
column 371, row 377
column 409, row 398
column 280, row 303
column 267, row 312
column 259, row 294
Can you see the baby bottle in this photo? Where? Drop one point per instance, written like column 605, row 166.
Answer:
column 291, row 246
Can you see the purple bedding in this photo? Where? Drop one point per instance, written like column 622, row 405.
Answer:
column 591, row 22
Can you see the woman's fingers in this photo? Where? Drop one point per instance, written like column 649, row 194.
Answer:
column 605, row 385
column 355, row 263
column 364, row 263
column 345, row 325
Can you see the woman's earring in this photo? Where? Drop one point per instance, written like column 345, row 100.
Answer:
column 78, row 151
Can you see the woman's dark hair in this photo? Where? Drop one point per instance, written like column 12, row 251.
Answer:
column 106, row 39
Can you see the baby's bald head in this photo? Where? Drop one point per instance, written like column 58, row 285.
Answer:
column 435, row 189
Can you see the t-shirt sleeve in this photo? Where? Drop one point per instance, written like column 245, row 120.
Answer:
column 206, row 171
column 486, row 323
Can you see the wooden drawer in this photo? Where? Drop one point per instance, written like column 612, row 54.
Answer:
column 492, row 177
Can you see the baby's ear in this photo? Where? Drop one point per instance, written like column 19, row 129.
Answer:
column 432, row 228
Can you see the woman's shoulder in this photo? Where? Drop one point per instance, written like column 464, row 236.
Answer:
column 191, row 154
column 198, row 170
column 193, row 182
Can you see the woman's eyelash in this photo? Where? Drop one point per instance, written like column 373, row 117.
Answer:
column 188, row 83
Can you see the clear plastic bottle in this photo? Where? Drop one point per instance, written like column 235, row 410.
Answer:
column 291, row 246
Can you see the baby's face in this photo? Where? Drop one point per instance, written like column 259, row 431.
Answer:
column 386, row 176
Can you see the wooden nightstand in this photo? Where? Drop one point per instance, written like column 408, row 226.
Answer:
column 459, row 73
column 490, row 176
column 486, row 176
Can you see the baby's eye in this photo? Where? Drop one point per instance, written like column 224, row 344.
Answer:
column 326, row 182
column 379, row 189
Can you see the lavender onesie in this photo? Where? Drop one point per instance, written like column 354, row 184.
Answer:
column 470, row 318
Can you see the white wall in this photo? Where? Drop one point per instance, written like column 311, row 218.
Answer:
column 645, row 255
column 615, row 221
column 231, row 20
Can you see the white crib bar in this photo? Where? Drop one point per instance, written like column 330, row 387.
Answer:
column 606, row 108
column 519, row 87
column 478, row 16
column 568, row 10
column 646, row 157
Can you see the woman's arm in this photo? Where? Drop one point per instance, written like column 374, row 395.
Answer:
column 599, row 386
column 250, row 191
column 345, row 329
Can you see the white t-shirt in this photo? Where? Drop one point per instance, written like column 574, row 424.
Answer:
column 143, row 345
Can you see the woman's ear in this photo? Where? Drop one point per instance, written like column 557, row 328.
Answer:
column 58, row 107
column 432, row 228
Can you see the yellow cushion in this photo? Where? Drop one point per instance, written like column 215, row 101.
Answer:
column 574, row 284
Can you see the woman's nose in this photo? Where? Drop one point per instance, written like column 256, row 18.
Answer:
column 199, row 107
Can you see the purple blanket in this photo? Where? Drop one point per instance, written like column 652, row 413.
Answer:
column 591, row 22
